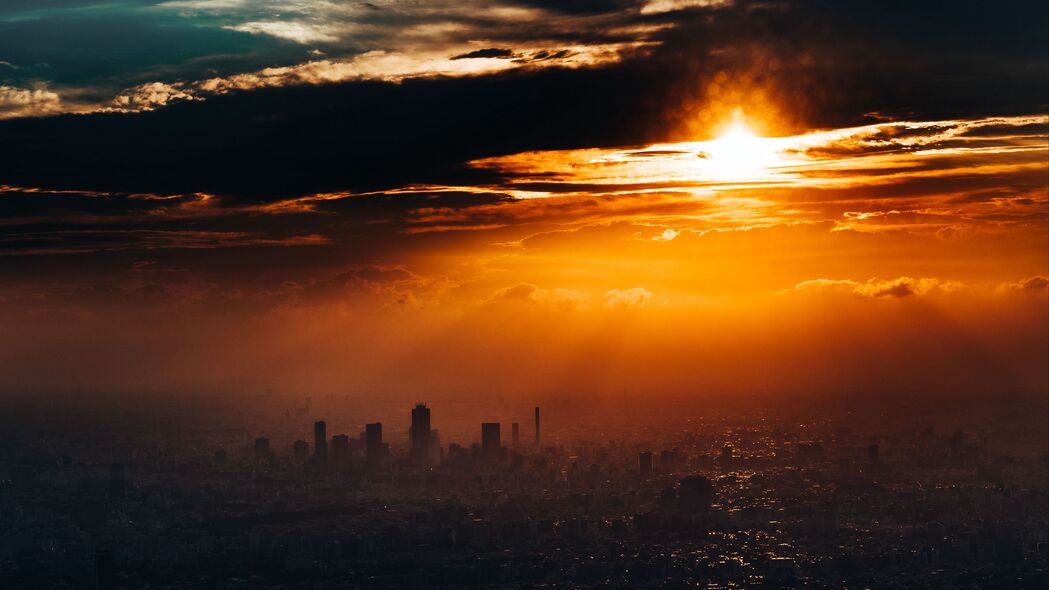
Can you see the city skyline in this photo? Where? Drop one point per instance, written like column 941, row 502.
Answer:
column 524, row 294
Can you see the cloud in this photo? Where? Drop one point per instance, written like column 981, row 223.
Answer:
column 297, row 32
column 633, row 298
column 1035, row 284
column 89, row 240
column 564, row 299
column 490, row 52
column 660, row 6
column 378, row 65
column 152, row 95
column 28, row 102
column 668, row 235
column 897, row 288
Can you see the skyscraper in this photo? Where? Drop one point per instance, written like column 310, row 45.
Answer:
column 340, row 449
column 644, row 463
column 490, row 440
column 537, row 427
column 515, row 433
column 320, row 441
column 373, row 446
column 420, row 434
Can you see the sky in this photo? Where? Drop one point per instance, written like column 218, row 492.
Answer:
column 521, row 198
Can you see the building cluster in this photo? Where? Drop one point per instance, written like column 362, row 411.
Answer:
column 368, row 455
column 725, row 501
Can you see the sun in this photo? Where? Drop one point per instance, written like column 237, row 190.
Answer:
column 739, row 153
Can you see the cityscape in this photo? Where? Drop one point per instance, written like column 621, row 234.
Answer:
column 524, row 295
column 218, row 496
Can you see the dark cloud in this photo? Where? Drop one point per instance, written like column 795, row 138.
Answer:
column 823, row 64
column 582, row 6
column 489, row 52
column 286, row 142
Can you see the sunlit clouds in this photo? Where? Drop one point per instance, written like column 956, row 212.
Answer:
column 524, row 196
column 18, row 102
column 387, row 41
column 935, row 177
column 917, row 247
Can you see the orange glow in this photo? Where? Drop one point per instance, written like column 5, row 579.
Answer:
column 739, row 154
column 674, row 267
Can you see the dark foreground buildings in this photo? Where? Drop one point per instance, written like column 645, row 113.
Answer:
column 726, row 499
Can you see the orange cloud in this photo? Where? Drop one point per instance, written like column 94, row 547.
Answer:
column 633, row 298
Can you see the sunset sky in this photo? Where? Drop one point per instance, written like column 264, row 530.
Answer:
column 524, row 197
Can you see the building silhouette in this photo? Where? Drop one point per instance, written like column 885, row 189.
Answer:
column 301, row 451
column 374, row 448
column 726, row 457
column 340, row 449
column 696, row 493
column 262, row 448
column 537, row 427
column 420, row 434
column 320, row 441
column 515, row 434
column 490, row 440
column 644, row 464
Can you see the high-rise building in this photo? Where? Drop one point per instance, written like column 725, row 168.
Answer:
column 537, row 427
column 301, row 451
column 340, row 449
column 373, row 445
column 490, row 440
column 696, row 493
column 420, row 434
column 320, row 441
column 515, row 433
column 262, row 448
column 644, row 464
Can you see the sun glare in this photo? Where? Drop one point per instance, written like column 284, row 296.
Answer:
column 739, row 153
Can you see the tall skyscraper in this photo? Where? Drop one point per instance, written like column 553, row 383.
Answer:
column 320, row 441
column 420, row 434
column 373, row 446
column 490, row 440
column 644, row 464
column 515, row 433
column 537, row 427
